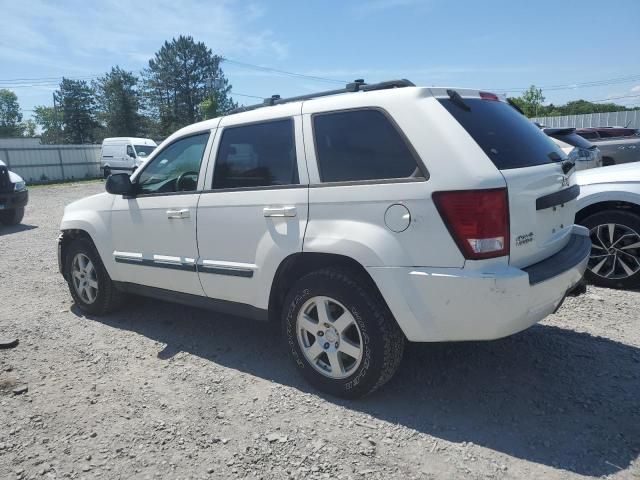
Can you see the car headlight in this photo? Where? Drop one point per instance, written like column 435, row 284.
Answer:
column 581, row 155
column 19, row 186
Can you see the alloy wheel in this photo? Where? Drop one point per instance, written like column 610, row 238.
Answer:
column 615, row 251
column 329, row 337
column 85, row 278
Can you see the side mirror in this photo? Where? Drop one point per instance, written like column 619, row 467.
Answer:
column 131, row 154
column 119, row 184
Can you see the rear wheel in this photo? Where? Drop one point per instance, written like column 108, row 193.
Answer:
column 615, row 249
column 89, row 283
column 340, row 334
column 12, row 217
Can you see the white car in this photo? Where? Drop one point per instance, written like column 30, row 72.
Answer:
column 609, row 206
column 124, row 153
column 353, row 220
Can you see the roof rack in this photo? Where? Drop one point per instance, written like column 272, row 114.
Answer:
column 355, row 86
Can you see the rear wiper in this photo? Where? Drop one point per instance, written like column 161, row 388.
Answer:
column 457, row 99
column 515, row 105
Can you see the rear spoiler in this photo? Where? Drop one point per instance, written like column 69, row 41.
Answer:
column 558, row 131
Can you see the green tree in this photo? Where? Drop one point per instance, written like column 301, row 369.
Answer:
column 531, row 101
column 10, row 114
column 77, row 102
column 118, row 103
column 29, row 128
column 179, row 78
column 209, row 108
column 50, row 121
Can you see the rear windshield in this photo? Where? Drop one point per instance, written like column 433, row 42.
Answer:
column 505, row 135
column 573, row 139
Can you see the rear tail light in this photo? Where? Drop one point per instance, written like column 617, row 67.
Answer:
column 489, row 96
column 478, row 221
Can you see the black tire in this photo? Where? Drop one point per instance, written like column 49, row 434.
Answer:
column 624, row 218
column 106, row 172
column 108, row 298
column 608, row 161
column 382, row 339
column 12, row 217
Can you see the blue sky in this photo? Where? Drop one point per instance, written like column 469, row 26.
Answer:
column 497, row 45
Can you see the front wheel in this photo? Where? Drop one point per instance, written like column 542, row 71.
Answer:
column 106, row 172
column 12, row 217
column 340, row 334
column 89, row 283
column 615, row 249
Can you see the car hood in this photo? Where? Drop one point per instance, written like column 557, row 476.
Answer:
column 99, row 201
column 624, row 173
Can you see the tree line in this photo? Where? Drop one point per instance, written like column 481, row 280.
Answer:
column 182, row 84
column 531, row 103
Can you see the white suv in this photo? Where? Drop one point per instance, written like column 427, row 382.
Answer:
column 356, row 218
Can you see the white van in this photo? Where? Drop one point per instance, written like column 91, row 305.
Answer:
column 124, row 153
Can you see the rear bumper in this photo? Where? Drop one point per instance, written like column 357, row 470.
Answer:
column 13, row 200
column 450, row 304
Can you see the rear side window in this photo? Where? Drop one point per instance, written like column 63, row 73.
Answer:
column 504, row 134
column 257, row 155
column 361, row 145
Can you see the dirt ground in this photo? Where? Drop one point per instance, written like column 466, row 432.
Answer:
column 165, row 391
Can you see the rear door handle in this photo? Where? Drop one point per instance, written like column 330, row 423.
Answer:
column 279, row 211
column 182, row 213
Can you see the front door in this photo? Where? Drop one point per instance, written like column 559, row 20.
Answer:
column 253, row 212
column 154, row 233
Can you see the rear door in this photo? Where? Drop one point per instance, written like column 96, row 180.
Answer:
column 253, row 212
column 542, row 203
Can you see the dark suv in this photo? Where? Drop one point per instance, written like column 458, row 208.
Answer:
column 594, row 133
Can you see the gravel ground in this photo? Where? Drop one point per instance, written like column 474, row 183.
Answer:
column 165, row 391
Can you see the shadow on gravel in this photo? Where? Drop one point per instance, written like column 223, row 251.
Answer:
column 548, row 395
column 8, row 229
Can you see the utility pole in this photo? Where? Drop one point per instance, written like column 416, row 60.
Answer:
column 55, row 115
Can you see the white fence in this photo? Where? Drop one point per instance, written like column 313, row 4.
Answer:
column 629, row 118
column 49, row 163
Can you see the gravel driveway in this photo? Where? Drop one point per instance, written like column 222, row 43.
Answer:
column 166, row 391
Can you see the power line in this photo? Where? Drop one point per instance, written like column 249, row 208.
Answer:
column 613, row 98
column 282, row 72
column 573, row 86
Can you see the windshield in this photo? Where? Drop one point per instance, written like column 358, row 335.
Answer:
column 506, row 136
column 144, row 150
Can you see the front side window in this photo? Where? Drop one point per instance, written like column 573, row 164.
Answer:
column 361, row 145
column 176, row 168
column 257, row 155
column 130, row 151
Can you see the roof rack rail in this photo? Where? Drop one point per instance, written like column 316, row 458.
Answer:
column 355, row 86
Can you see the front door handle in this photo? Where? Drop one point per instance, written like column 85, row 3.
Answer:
column 182, row 213
column 279, row 211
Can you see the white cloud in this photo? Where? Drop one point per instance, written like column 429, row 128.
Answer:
column 77, row 33
column 635, row 89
